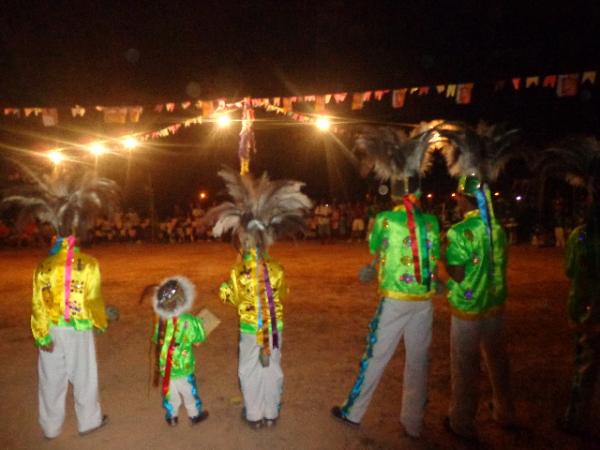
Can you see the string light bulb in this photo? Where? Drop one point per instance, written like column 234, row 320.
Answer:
column 323, row 123
column 97, row 148
column 130, row 142
column 56, row 157
column 223, row 121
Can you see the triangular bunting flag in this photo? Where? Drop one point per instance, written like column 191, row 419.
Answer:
column 424, row 90
column 367, row 96
column 440, row 88
column 186, row 105
column 567, row 85
column 463, row 94
column 398, row 97
column 550, row 81
column 328, row 98
column 357, row 100
column 170, row 107
column 516, row 83
column 589, row 76
column 532, row 81
column 49, row 117
column 134, row 113
column 451, row 90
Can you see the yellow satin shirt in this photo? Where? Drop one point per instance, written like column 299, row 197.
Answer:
column 241, row 291
column 86, row 305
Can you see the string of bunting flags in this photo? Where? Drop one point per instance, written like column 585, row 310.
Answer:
column 564, row 85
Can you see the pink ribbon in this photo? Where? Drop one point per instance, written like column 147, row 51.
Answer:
column 68, row 269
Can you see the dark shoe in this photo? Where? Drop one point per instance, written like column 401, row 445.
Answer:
column 103, row 422
column 172, row 422
column 199, row 418
column 337, row 412
column 467, row 438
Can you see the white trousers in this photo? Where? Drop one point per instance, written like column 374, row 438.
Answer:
column 393, row 320
column 184, row 387
column 261, row 386
column 72, row 360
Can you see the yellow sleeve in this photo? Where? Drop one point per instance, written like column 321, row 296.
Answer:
column 93, row 297
column 228, row 291
column 39, row 317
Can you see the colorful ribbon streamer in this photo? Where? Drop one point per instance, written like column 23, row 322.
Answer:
column 68, row 273
column 269, row 290
column 169, row 362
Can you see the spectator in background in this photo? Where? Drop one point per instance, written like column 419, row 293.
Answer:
column 358, row 222
column 323, row 214
column 558, row 207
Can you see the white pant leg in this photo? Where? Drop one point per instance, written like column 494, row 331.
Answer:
column 53, row 385
column 261, row 386
column 83, row 375
column 273, row 382
column 186, row 386
column 172, row 404
column 386, row 329
column 417, row 339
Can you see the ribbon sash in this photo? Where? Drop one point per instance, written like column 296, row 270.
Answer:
column 169, row 361
column 271, row 301
column 68, row 273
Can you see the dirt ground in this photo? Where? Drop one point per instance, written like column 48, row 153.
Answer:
column 326, row 317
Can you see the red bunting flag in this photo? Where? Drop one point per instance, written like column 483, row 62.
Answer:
column 340, row 97
column 550, row 81
column 567, row 85
column 516, row 82
column 398, row 97
column 367, row 96
column 463, row 94
column 424, row 90
column 380, row 93
column 357, row 100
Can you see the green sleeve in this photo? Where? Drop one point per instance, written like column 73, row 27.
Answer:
column 196, row 330
column 456, row 253
column 435, row 238
column 571, row 254
column 375, row 237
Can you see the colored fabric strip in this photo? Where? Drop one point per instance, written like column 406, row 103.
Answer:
column 259, row 318
column 364, row 362
column 269, row 290
column 169, row 362
column 410, row 217
column 424, row 246
column 68, row 272
column 484, row 211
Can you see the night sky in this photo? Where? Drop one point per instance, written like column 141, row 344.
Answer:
column 56, row 53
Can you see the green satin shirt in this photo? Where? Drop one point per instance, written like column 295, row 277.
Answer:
column 391, row 239
column 584, row 295
column 483, row 290
column 189, row 331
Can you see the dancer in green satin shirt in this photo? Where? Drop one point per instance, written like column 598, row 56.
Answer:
column 476, row 263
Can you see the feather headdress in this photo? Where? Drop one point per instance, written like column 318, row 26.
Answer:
column 481, row 151
column 67, row 200
column 392, row 153
column 260, row 208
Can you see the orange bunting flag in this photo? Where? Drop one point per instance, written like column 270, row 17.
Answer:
column 532, row 81
column 398, row 97
column 28, row 111
column 567, row 85
column 115, row 115
column 49, row 117
column 77, row 111
column 380, row 93
column 170, row 107
column 198, row 104
column 134, row 113
column 340, row 97
column 158, row 108
column 367, row 96
column 516, row 82
column 319, row 104
column 589, row 76
column 310, row 98
column 286, row 104
column 357, row 100
column 277, row 101
column 463, row 93
column 440, row 88
column 550, row 81
column 207, row 108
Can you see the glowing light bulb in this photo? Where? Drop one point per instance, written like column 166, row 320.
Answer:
column 97, row 148
column 429, row 195
column 130, row 142
column 453, row 195
column 223, row 121
column 496, row 194
column 518, row 198
column 55, row 156
column 323, row 123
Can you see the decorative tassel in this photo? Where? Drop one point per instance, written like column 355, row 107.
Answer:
column 169, row 362
column 420, row 261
